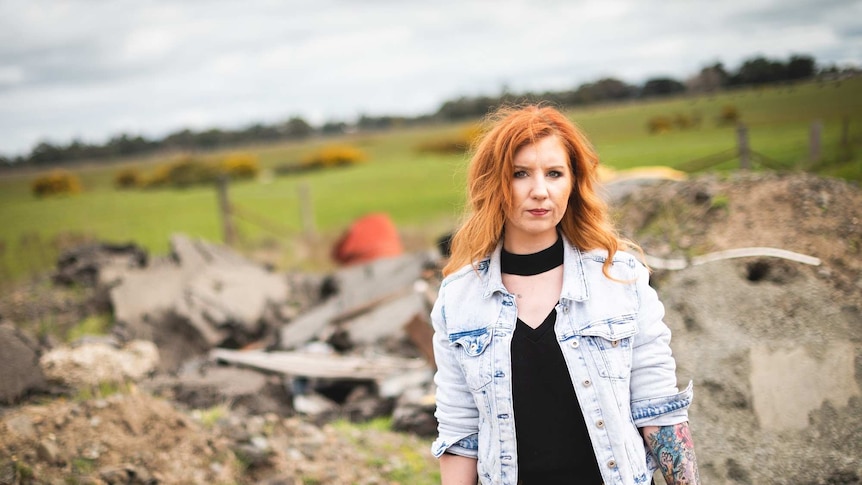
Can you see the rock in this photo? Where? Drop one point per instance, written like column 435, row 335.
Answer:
column 8, row 472
column 313, row 405
column 21, row 426
column 93, row 363
column 126, row 475
column 48, row 452
column 84, row 264
column 19, row 366
column 414, row 413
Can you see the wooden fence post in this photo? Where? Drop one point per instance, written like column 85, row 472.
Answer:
column 306, row 210
column 814, row 137
column 228, row 230
column 845, row 139
column 742, row 145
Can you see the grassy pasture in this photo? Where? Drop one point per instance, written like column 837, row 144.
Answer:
column 422, row 192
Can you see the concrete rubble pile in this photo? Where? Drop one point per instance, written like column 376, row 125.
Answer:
column 206, row 326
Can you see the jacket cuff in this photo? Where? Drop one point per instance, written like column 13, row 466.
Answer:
column 467, row 446
column 663, row 411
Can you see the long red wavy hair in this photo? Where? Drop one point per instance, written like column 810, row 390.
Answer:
column 489, row 186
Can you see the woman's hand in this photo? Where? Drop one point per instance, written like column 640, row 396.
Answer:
column 673, row 448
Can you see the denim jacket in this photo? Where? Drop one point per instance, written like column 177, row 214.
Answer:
column 615, row 345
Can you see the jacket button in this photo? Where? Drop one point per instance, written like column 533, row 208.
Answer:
column 575, row 344
column 612, row 464
column 600, row 423
column 565, row 309
column 588, row 383
column 615, row 343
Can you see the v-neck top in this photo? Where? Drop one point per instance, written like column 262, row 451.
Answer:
column 553, row 443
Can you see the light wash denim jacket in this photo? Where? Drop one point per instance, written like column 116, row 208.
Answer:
column 615, row 345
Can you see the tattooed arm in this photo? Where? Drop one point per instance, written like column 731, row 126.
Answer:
column 674, row 450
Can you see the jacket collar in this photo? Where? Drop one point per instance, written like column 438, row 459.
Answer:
column 574, row 280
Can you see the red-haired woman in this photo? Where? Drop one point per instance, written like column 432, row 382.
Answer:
column 553, row 362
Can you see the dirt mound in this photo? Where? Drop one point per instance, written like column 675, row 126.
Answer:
column 134, row 438
column 774, row 347
column 797, row 212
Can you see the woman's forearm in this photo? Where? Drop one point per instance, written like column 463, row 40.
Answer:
column 458, row 470
column 673, row 448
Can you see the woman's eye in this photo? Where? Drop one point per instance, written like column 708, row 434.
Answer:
column 555, row 174
column 520, row 174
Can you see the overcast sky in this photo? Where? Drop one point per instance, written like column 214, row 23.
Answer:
column 95, row 68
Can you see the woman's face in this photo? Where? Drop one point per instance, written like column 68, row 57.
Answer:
column 541, row 185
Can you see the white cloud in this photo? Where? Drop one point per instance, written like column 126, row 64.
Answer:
column 91, row 68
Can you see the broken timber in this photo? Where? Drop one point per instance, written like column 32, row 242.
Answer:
column 317, row 365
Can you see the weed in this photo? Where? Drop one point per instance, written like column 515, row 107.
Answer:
column 83, row 466
column 719, row 202
column 209, row 417
column 92, row 325
column 23, row 471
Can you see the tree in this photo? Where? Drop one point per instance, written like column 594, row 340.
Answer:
column 761, row 70
column 801, row 67
column 710, row 79
column 662, row 86
column 296, row 127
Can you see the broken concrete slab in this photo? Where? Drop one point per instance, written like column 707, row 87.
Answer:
column 385, row 320
column 207, row 386
column 20, row 372
column 316, row 365
column 235, row 295
column 205, row 296
column 358, row 289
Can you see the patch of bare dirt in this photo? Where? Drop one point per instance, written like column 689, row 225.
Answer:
column 134, row 438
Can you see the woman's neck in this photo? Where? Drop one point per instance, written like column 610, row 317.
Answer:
column 521, row 245
column 535, row 263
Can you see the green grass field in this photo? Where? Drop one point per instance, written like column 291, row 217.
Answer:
column 422, row 192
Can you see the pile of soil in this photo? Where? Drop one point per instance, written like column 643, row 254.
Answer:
column 774, row 347
column 134, row 438
column 798, row 212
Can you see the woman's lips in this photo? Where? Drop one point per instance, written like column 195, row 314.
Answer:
column 539, row 212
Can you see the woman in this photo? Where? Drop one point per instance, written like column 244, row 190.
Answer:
column 553, row 363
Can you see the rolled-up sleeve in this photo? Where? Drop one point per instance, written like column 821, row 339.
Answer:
column 457, row 415
column 656, row 399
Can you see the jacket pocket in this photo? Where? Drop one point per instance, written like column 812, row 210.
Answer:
column 610, row 344
column 474, row 358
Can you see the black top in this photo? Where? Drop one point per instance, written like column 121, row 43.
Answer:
column 553, row 444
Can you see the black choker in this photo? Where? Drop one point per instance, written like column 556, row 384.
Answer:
column 532, row 264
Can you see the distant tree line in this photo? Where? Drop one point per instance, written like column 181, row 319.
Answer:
column 754, row 71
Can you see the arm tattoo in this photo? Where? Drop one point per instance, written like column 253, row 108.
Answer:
column 674, row 451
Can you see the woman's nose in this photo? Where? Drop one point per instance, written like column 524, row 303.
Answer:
column 539, row 188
